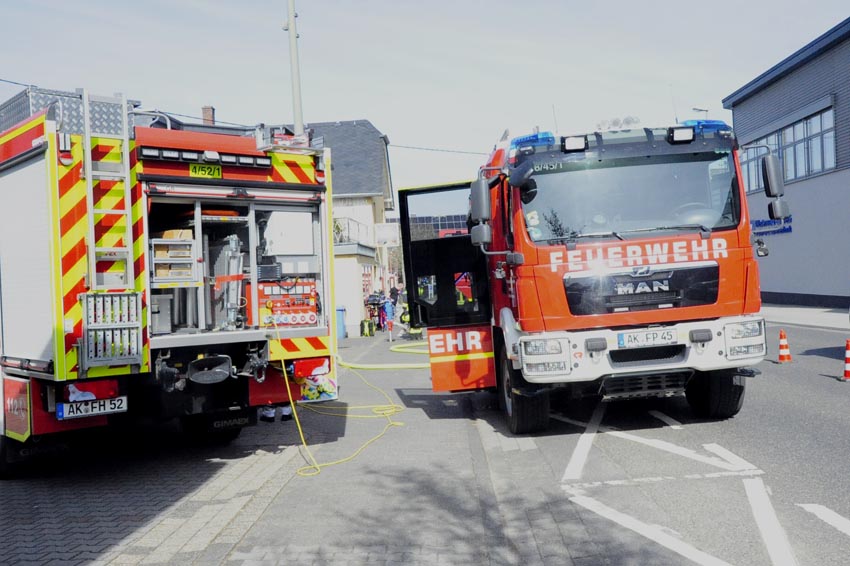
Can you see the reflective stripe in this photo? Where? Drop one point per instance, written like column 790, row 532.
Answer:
column 444, row 359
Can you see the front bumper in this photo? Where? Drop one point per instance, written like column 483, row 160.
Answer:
column 704, row 345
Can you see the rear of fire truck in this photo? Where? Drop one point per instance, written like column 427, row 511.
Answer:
column 156, row 268
column 616, row 264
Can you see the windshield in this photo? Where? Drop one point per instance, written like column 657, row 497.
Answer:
column 618, row 197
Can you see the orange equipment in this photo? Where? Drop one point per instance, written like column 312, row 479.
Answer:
column 847, row 361
column 784, row 350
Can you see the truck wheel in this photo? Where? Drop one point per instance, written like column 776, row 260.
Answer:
column 523, row 413
column 716, row 394
column 4, row 462
column 6, row 465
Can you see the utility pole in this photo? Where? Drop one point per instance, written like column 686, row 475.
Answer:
column 298, row 120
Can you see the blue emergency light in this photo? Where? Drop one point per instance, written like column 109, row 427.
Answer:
column 534, row 140
column 708, row 126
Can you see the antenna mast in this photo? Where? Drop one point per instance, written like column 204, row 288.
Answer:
column 298, row 120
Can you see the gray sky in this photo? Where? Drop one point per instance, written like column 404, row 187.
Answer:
column 434, row 74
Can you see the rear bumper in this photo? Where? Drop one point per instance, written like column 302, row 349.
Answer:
column 583, row 356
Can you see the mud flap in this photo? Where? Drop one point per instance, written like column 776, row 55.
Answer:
column 461, row 358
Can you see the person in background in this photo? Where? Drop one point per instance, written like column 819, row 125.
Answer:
column 267, row 413
column 382, row 311
column 389, row 311
column 394, row 295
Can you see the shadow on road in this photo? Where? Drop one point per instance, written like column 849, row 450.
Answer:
column 440, row 523
column 832, row 353
column 628, row 415
column 101, row 487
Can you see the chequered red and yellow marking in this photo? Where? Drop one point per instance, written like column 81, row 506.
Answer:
column 289, row 348
column 293, row 169
column 109, row 232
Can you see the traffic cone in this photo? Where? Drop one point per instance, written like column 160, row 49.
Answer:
column 847, row 361
column 784, row 351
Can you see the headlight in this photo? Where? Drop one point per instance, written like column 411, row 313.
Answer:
column 751, row 350
column 741, row 330
column 541, row 347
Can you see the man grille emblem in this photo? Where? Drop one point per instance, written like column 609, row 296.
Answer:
column 642, row 271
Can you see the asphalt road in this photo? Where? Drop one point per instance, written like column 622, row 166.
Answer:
column 640, row 482
column 769, row 486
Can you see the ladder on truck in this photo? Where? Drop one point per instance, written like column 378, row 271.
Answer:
column 107, row 113
column 112, row 310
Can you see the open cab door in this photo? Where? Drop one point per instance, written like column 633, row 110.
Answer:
column 447, row 286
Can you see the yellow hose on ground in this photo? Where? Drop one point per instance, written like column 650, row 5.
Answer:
column 378, row 411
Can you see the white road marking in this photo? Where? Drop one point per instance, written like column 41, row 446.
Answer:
column 575, row 488
column 674, row 449
column 828, row 516
column 772, row 533
column 582, row 449
column 669, row 421
column 652, row 532
column 733, row 465
column 729, row 456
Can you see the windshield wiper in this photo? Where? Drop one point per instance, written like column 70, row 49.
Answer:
column 599, row 235
column 573, row 236
column 701, row 227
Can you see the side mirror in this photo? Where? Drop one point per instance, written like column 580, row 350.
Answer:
column 479, row 201
column 778, row 209
column 771, row 172
column 481, row 234
column 520, row 174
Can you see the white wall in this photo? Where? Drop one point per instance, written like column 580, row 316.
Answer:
column 814, row 258
column 359, row 209
column 347, row 287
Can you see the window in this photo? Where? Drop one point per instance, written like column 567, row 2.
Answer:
column 805, row 148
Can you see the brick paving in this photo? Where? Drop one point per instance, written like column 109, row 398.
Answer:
column 440, row 490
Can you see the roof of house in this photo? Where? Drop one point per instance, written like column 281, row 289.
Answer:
column 359, row 155
column 814, row 48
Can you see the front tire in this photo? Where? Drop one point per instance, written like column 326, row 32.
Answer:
column 523, row 413
column 716, row 394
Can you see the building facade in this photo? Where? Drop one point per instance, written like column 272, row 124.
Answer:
column 800, row 110
column 362, row 196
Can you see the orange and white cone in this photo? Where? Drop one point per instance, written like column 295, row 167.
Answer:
column 784, row 350
column 847, row 361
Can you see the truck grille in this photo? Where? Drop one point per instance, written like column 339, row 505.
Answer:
column 645, row 356
column 659, row 298
column 643, row 288
column 663, row 385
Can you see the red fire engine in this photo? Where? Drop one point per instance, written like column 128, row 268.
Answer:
column 615, row 264
column 160, row 268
